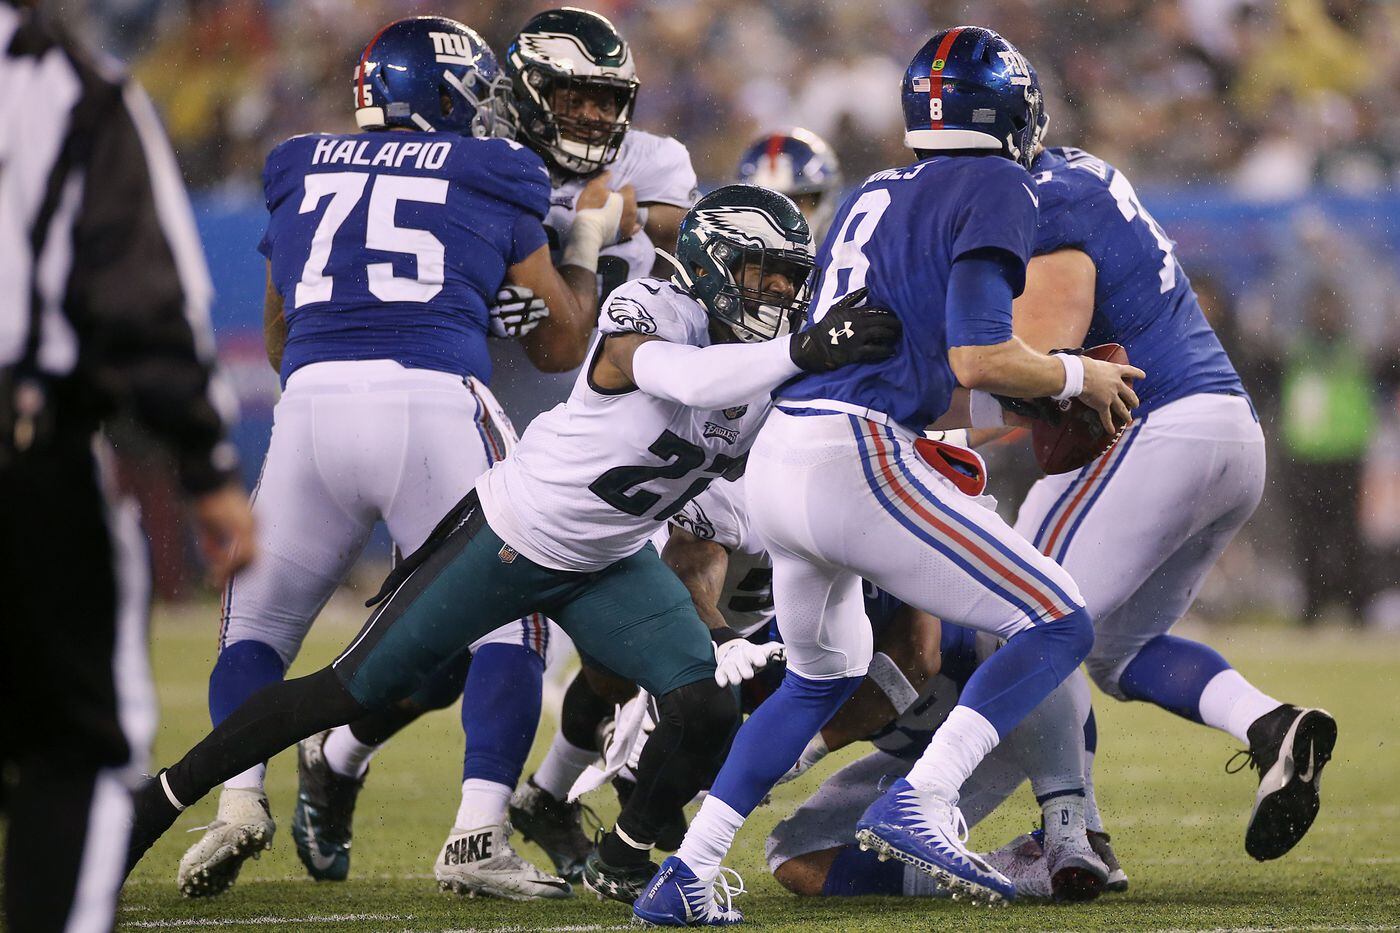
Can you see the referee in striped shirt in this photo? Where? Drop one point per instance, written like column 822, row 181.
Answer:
column 104, row 307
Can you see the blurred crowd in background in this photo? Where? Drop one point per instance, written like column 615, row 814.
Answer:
column 1277, row 102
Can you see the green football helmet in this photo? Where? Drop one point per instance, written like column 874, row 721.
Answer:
column 571, row 57
column 745, row 253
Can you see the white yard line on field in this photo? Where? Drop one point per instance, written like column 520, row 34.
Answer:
column 203, row 923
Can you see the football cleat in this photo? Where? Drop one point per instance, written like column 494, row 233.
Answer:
column 922, row 829
column 553, row 825
column 1289, row 748
column 1075, row 870
column 671, row 833
column 677, row 898
column 1022, row 861
column 1117, row 877
column 481, row 861
column 322, row 825
column 242, row 829
column 622, row 883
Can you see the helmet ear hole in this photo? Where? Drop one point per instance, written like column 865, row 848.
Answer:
column 445, row 100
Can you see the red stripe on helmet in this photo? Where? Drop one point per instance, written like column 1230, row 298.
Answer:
column 364, row 57
column 775, row 149
column 935, row 75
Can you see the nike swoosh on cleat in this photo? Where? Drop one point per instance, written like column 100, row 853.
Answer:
column 1307, row 776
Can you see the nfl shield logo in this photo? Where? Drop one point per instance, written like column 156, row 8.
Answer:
column 732, row 413
column 507, row 554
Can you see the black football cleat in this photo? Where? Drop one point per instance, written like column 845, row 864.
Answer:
column 554, row 825
column 671, row 833
column 1289, row 748
column 1117, row 877
column 323, row 823
column 624, row 883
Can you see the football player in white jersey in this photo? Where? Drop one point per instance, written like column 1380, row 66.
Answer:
column 672, row 395
column 385, row 414
column 570, row 85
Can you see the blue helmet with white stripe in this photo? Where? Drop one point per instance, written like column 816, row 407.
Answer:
column 968, row 88
column 799, row 164
column 432, row 74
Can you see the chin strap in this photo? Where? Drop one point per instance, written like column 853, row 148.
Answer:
column 682, row 276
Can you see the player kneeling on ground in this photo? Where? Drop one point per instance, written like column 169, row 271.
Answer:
column 674, row 390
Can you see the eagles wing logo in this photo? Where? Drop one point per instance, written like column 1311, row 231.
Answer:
column 748, row 225
column 628, row 314
column 698, row 523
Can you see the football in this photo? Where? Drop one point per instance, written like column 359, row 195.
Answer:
column 1078, row 438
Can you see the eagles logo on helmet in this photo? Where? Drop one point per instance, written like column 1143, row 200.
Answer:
column 572, row 87
column 745, row 253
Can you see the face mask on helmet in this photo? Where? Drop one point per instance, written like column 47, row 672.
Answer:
column 765, row 292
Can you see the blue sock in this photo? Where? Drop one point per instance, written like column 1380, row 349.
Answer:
column 855, row 873
column 1014, row 680
column 243, row 668
column 772, row 739
column 1172, row 672
column 501, row 711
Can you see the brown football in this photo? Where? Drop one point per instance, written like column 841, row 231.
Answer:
column 1079, row 438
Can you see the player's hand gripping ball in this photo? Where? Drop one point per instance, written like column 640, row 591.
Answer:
column 1076, row 437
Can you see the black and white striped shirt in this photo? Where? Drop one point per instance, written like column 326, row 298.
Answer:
column 104, row 291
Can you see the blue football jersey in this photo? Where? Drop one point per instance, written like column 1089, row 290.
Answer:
column 1142, row 298
column 899, row 234
column 391, row 246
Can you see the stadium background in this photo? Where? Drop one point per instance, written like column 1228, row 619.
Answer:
column 1265, row 136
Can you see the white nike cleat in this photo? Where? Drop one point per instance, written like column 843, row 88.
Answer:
column 1075, row 870
column 1022, row 861
column 242, row 829
column 481, row 861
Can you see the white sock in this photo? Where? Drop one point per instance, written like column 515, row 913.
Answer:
column 347, row 755
column 483, row 804
column 1232, row 704
column 1063, row 817
column 562, row 766
column 1092, row 820
column 252, row 779
column 710, row 835
column 958, row 747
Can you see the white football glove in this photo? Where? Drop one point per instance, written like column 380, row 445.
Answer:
column 517, row 311
column 738, row 659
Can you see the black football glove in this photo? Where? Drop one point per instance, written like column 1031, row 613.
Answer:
column 848, row 334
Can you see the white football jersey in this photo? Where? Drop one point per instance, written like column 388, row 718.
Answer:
column 591, row 479
column 718, row 514
column 659, row 169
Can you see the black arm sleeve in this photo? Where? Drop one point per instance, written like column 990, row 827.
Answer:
column 139, row 292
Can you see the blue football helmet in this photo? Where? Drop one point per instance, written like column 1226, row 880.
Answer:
column 968, row 88
column 432, row 74
column 799, row 164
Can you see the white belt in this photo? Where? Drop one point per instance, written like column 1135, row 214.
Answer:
column 846, row 408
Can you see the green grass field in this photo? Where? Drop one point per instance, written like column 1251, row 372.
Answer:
column 1176, row 817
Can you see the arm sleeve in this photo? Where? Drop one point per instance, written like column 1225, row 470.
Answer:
column 979, row 298
column 999, row 214
column 712, row 377
column 140, row 294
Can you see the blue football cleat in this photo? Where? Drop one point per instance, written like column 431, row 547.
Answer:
column 928, row 832
column 677, row 898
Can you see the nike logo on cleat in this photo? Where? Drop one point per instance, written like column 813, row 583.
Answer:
column 1307, row 776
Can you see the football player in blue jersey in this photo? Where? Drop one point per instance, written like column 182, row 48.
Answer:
column 838, row 488
column 1140, row 527
column 385, row 249
column 802, row 166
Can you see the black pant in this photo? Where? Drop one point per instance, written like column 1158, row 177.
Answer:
column 1327, row 535
column 73, row 669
